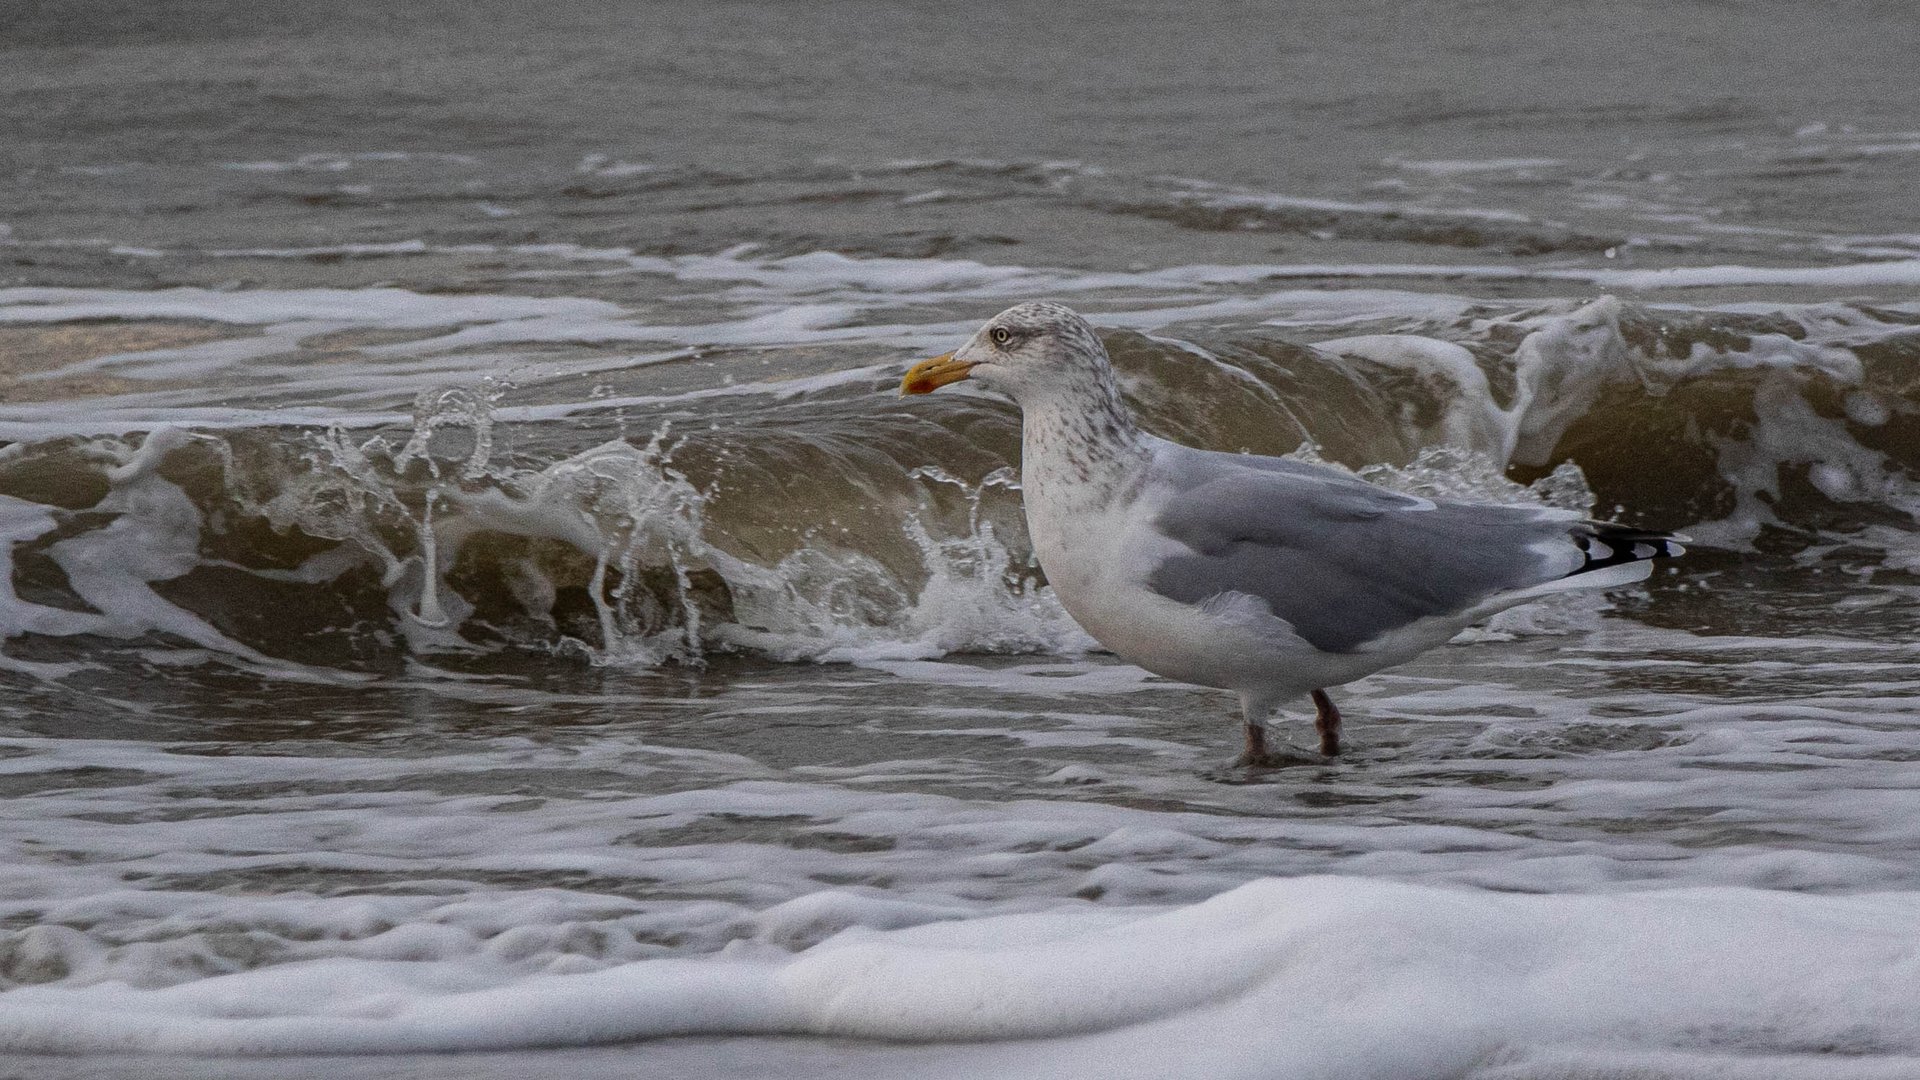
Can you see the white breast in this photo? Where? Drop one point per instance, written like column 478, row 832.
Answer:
column 1097, row 558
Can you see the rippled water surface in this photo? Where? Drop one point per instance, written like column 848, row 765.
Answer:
column 462, row 535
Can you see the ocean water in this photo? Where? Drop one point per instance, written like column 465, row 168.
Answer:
column 471, row 584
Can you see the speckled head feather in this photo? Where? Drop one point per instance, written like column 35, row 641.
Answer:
column 1036, row 339
column 1050, row 362
column 1046, row 357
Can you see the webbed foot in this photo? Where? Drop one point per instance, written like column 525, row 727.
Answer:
column 1259, row 755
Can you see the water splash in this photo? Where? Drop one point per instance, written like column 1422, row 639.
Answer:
column 982, row 593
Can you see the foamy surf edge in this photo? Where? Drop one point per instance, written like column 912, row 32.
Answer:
column 1306, row 977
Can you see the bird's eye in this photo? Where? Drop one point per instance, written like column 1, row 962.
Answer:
column 1000, row 335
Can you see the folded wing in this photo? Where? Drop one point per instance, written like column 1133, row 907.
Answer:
column 1344, row 562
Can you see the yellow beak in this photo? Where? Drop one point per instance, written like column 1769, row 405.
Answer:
column 929, row 375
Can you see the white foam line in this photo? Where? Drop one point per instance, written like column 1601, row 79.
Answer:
column 113, row 422
column 384, row 307
column 1296, row 202
column 1321, row 978
column 327, row 161
column 1896, row 272
column 95, row 419
column 1457, row 167
column 838, row 289
column 797, row 282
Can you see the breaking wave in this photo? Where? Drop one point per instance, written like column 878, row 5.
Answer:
column 822, row 518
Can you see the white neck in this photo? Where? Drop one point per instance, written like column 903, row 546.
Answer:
column 1079, row 444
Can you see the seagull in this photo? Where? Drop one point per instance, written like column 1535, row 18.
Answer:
column 1266, row 576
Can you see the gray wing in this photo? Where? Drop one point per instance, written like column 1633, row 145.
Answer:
column 1341, row 560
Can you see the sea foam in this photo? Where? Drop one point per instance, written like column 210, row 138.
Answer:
column 1305, row 977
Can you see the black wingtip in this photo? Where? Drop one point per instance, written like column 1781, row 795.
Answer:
column 1605, row 544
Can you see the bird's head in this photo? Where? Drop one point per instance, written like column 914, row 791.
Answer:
column 1025, row 352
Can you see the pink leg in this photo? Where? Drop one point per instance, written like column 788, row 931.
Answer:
column 1326, row 720
column 1256, row 745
